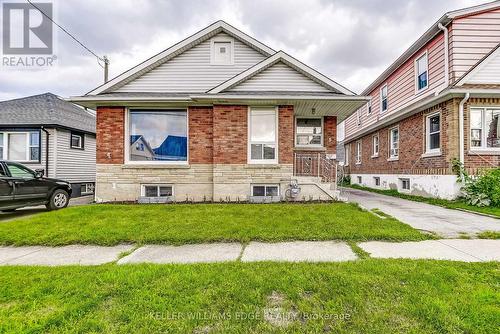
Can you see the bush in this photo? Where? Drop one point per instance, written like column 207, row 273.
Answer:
column 483, row 190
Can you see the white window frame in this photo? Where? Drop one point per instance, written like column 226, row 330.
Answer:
column 386, row 97
column 266, row 185
column 321, row 145
column 426, row 55
column 5, row 145
column 369, row 107
column 151, row 162
column 375, row 153
column 391, row 156
column 358, row 117
column 359, row 147
column 89, row 188
column 157, row 185
column 428, row 134
column 249, row 135
column 80, row 135
column 212, row 50
column 483, row 147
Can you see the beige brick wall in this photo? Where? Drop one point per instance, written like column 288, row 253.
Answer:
column 200, row 182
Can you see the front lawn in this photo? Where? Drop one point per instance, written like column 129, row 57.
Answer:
column 109, row 224
column 457, row 204
column 367, row 296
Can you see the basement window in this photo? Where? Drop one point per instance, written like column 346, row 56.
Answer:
column 360, row 180
column 156, row 190
column 376, row 180
column 265, row 190
column 405, row 184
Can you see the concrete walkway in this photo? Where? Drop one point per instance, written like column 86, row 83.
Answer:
column 298, row 251
column 447, row 223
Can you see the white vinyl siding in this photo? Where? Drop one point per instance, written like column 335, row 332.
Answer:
column 488, row 72
column 72, row 165
column 279, row 77
column 192, row 71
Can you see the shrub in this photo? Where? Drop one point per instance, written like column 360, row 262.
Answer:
column 482, row 190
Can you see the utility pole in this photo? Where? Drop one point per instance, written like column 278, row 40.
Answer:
column 106, row 67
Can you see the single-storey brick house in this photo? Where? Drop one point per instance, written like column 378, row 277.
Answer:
column 218, row 116
column 438, row 102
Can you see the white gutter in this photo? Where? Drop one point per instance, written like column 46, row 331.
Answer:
column 461, row 127
column 446, row 56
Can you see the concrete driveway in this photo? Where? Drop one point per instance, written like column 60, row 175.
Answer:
column 445, row 222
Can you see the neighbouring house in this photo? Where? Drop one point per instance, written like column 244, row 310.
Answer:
column 439, row 102
column 46, row 132
column 218, row 116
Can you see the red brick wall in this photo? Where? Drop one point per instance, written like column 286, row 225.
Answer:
column 411, row 146
column 286, row 134
column 330, row 136
column 201, row 143
column 230, row 134
column 110, row 133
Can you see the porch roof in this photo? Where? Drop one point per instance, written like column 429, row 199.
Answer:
column 305, row 103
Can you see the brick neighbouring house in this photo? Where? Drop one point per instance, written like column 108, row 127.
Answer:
column 217, row 117
column 450, row 71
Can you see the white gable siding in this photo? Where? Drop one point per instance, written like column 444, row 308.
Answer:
column 191, row 71
column 487, row 73
column 279, row 77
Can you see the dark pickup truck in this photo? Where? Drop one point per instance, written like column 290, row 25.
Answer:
column 21, row 186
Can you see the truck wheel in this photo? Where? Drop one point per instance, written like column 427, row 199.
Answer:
column 58, row 200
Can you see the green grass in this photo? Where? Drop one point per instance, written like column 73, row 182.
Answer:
column 367, row 296
column 108, row 224
column 457, row 204
column 489, row 235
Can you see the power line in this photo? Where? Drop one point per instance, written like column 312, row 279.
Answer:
column 70, row 35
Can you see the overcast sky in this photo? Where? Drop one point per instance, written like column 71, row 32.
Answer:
column 352, row 41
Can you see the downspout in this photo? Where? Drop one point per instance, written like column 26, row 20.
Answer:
column 446, row 57
column 461, row 128
column 47, row 134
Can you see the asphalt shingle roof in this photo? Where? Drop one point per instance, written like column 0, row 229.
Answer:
column 46, row 109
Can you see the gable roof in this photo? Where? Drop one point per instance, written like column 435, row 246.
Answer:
column 291, row 62
column 492, row 56
column 426, row 37
column 46, row 109
column 193, row 40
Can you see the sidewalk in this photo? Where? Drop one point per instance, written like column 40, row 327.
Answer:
column 477, row 250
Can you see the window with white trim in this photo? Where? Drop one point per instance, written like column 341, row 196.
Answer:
column 347, row 152
column 157, row 136
column 384, row 102
column 433, row 133
column 358, row 152
column 375, row 145
column 156, row 190
column 358, row 117
column 20, row 146
column 394, row 143
column 77, row 140
column 369, row 107
column 263, row 135
column 421, row 72
column 265, row 190
column 309, row 131
column 485, row 128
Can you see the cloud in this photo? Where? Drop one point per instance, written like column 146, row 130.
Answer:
column 350, row 41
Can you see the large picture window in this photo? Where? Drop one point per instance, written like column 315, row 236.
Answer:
column 485, row 128
column 158, row 135
column 262, row 135
column 309, row 132
column 20, row 146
